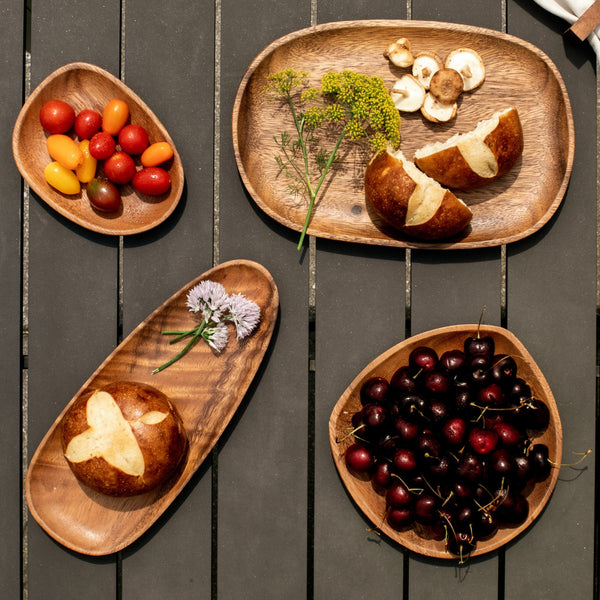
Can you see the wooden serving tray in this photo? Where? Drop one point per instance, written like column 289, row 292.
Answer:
column 446, row 338
column 206, row 388
column 86, row 86
column 518, row 74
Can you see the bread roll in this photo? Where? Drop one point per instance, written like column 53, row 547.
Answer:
column 123, row 439
column 411, row 202
column 469, row 160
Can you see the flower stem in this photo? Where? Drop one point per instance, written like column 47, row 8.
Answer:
column 196, row 334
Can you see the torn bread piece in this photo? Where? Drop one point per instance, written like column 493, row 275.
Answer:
column 469, row 160
column 410, row 201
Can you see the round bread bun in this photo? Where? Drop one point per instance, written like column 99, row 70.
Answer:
column 412, row 202
column 469, row 160
column 123, row 439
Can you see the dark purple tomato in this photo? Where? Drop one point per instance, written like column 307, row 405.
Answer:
column 103, row 195
column 152, row 181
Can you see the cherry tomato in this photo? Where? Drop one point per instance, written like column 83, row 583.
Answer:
column 102, row 145
column 119, row 168
column 156, row 154
column 87, row 123
column 114, row 116
column 61, row 178
column 64, row 150
column 87, row 171
column 133, row 139
column 57, row 116
column 103, row 195
column 152, row 181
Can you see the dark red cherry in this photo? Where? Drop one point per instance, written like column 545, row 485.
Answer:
column 504, row 369
column 479, row 345
column 400, row 518
column 454, row 431
column 374, row 391
column 540, row 462
column 483, row 441
column 508, row 434
column 461, row 544
column 502, row 463
column 382, row 476
column 423, row 358
column 491, row 395
column 438, row 411
column 374, row 416
column 425, row 509
column 359, row 458
column 408, row 431
column 534, row 414
column 485, row 524
column 397, row 495
column 405, row 461
column 470, row 468
column 452, row 360
column 437, row 382
column 403, row 381
column 441, row 468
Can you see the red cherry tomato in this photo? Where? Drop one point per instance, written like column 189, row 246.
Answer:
column 119, row 168
column 87, row 123
column 133, row 139
column 102, row 145
column 57, row 116
column 152, row 181
column 103, row 195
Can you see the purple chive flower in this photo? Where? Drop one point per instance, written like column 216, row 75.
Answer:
column 209, row 298
column 244, row 314
column 217, row 336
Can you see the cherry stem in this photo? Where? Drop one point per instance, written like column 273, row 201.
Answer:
column 582, row 454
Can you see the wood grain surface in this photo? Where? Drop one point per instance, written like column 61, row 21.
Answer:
column 517, row 74
column 446, row 338
column 87, row 86
column 206, row 389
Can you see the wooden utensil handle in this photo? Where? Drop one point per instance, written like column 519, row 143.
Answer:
column 588, row 21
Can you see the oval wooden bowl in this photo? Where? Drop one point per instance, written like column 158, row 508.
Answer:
column 86, row 86
column 205, row 387
column 518, row 74
column 372, row 504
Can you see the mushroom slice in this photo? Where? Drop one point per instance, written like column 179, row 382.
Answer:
column 470, row 66
column 408, row 94
column 435, row 111
column 425, row 65
column 446, row 86
column 399, row 53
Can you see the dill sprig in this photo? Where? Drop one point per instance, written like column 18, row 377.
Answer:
column 353, row 105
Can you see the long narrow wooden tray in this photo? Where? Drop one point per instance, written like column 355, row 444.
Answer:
column 518, row 74
column 205, row 387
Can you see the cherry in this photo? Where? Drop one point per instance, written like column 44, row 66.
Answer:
column 508, row 434
column 408, row 431
column 454, row 431
column 423, row 358
column 485, row 524
column 513, row 509
column 438, row 411
column 387, row 444
column 504, row 368
column 359, row 458
column 453, row 360
column 398, row 496
column 441, row 468
column 428, row 445
column 425, row 509
column 519, row 388
column 479, row 345
column 437, row 382
column 483, row 441
column 382, row 476
column 374, row 415
column 461, row 544
column 400, row 518
column 534, row 415
column 502, row 463
column 470, row 468
column 540, row 462
column 491, row 395
column 374, row 391
column 403, row 381
column 405, row 461
column 522, row 471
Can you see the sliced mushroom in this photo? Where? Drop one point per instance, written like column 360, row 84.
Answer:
column 425, row 65
column 470, row 66
column 408, row 94
column 399, row 53
column 436, row 112
column 446, row 86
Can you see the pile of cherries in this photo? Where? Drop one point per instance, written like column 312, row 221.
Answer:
column 449, row 441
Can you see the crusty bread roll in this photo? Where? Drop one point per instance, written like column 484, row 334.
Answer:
column 412, row 202
column 469, row 160
column 123, row 439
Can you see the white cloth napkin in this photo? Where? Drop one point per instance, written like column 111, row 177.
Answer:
column 570, row 11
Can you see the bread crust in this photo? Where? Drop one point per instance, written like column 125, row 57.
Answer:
column 388, row 189
column 163, row 444
column 450, row 168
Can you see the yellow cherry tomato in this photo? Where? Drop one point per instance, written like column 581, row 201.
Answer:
column 64, row 150
column 87, row 170
column 156, row 154
column 114, row 116
column 62, row 179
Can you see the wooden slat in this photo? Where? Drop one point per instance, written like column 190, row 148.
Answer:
column 72, row 292
column 11, row 86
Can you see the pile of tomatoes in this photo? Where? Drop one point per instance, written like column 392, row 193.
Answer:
column 108, row 137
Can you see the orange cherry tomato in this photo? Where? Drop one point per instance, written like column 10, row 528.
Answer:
column 156, row 154
column 114, row 116
column 64, row 150
column 62, row 179
column 87, row 170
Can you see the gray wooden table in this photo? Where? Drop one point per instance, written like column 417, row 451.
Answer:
column 267, row 516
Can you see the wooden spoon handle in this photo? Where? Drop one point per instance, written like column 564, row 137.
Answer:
column 588, row 21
